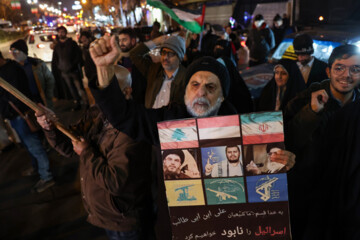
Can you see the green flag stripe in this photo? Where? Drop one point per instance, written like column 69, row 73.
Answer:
column 192, row 26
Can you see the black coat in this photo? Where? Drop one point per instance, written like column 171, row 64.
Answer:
column 67, row 56
column 239, row 95
column 317, row 72
column 140, row 124
column 13, row 73
column 294, row 85
column 336, row 213
column 305, row 132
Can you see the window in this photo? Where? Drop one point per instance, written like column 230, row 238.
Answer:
column 31, row 39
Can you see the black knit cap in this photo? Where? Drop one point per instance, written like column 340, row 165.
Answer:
column 20, row 45
column 277, row 18
column 258, row 17
column 211, row 65
column 303, row 44
column 178, row 152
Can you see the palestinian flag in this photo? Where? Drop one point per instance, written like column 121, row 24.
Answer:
column 190, row 19
column 258, row 128
column 219, row 127
column 178, row 134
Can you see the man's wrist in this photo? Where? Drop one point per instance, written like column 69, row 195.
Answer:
column 105, row 75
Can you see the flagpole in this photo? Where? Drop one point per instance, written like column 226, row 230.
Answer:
column 19, row 95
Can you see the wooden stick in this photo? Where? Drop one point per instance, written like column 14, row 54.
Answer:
column 19, row 95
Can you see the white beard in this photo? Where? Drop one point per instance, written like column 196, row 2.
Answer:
column 211, row 111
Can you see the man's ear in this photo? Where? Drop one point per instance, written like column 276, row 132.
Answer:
column 133, row 41
column 328, row 72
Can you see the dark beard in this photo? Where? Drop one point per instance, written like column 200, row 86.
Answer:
column 170, row 175
column 233, row 161
column 304, row 63
column 125, row 49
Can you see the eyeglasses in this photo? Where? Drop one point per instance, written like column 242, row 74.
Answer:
column 354, row 70
column 168, row 53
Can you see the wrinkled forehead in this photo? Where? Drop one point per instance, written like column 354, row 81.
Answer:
column 205, row 77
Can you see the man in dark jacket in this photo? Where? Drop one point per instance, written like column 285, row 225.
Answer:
column 165, row 80
column 41, row 80
column 335, row 213
column 67, row 56
column 114, row 175
column 207, row 85
column 306, row 118
column 260, row 41
column 12, row 72
column 311, row 68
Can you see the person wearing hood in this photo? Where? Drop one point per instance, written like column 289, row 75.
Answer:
column 260, row 41
column 284, row 86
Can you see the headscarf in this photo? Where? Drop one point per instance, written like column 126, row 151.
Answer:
column 294, row 85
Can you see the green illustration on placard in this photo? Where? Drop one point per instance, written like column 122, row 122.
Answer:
column 225, row 191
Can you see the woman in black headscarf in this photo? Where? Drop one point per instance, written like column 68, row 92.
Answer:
column 284, row 86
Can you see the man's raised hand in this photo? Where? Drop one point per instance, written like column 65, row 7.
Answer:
column 104, row 51
column 208, row 167
column 318, row 100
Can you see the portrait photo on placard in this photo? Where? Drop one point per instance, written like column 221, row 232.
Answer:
column 180, row 164
column 222, row 161
column 264, row 158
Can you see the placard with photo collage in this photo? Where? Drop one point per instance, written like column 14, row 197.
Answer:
column 222, row 177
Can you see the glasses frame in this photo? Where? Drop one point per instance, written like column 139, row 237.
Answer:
column 169, row 54
column 351, row 70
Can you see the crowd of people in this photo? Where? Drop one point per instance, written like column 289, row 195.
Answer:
column 125, row 91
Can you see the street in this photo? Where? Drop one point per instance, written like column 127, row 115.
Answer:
column 56, row 213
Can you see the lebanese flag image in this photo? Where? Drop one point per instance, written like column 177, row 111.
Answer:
column 178, row 134
column 219, row 127
column 262, row 127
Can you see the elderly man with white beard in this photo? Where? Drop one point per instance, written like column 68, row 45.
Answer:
column 207, row 85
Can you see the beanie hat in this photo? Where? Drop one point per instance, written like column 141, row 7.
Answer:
column 210, row 64
column 258, row 17
column 177, row 44
column 20, row 45
column 178, row 152
column 277, row 18
column 303, row 44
